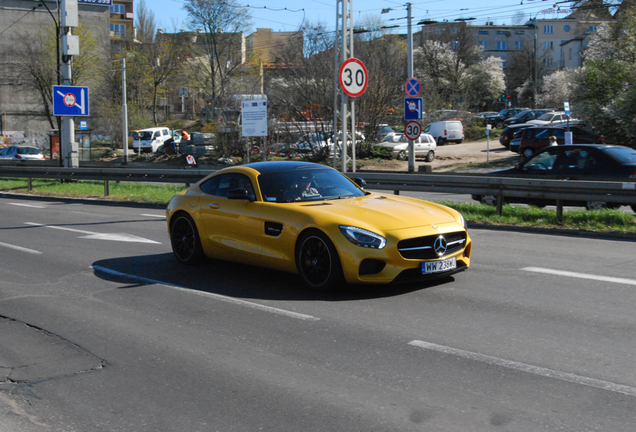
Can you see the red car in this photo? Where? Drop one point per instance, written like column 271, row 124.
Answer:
column 534, row 139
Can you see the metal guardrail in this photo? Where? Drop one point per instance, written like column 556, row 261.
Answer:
column 499, row 187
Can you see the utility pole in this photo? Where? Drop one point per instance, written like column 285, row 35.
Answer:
column 124, row 110
column 344, row 107
column 70, row 47
column 409, row 59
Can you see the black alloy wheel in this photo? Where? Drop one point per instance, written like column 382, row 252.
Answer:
column 318, row 262
column 185, row 241
column 402, row 155
column 430, row 156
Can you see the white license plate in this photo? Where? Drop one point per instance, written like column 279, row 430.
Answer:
column 439, row 266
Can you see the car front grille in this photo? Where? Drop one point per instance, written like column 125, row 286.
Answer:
column 424, row 248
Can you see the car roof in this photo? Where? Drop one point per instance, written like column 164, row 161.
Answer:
column 275, row 166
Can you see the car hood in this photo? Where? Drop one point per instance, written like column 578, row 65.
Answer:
column 383, row 212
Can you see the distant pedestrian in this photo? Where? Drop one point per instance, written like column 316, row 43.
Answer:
column 553, row 141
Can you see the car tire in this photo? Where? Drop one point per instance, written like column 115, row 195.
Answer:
column 184, row 237
column 527, row 152
column 600, row 205
column 440, row 141
column 402, row 155
column 317, row 262
column 430, row 156
column 489, row 200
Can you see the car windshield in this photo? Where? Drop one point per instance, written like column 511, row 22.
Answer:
column 28, row 150
column 546, row 116
column 623, row 154
column 301, row 185
column 145, row 135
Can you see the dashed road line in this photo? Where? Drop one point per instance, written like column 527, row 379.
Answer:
column 536, row 370
column 581, row 275
column 19, row 248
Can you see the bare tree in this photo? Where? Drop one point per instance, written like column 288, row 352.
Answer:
column 220, row 49
column 145, row 23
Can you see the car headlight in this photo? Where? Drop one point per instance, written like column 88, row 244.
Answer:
column 363, row 238
column 463, row 221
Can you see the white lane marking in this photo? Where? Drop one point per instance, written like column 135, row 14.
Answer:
column 21, row 249
column 257, row 306
column 27, row 205
column 536, row 370
column 153, row 215
column 581, row 275
column 123, row 237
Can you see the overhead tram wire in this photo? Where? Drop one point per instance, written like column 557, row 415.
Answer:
column 18, row 20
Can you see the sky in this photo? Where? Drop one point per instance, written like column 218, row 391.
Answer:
column 290, row 15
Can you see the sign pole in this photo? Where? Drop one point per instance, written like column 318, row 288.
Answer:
column 410, row 74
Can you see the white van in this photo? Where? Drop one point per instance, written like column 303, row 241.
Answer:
column 149, row 140
column 444, row 131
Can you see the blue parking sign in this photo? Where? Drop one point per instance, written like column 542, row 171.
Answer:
column 413, row 108
column 70, row 101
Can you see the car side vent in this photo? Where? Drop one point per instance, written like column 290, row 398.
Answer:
column 317, row 204
column 273, row 229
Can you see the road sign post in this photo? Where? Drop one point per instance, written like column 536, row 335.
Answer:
column 412, row 130
column 353, row 77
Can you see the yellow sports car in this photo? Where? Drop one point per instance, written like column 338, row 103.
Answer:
column 312, row 220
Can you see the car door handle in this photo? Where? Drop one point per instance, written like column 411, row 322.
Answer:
column 214, row 206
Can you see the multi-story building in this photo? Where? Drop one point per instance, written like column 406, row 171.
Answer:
column 122, row 22
column 266, row 46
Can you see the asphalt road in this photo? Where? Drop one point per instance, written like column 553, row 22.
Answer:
column 101, row 330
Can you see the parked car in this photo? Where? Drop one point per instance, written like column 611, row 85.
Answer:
column 21, row 153
column 507, row 134
column 383, row 131
column 423, row 147
column 497, row 120
column 573, row 162
column 483, row 114
column 525, row 116
column 515, row 142
column 312, row 142
column 444, row 131
column 311, row 220
column 149, row 140
column 554, row 117
column 538, row 137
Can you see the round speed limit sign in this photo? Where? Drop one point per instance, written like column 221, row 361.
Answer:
column 353, row 77
column 412, row 130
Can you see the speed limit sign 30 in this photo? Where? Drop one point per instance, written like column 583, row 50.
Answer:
column 412, row 130
column 353, row 77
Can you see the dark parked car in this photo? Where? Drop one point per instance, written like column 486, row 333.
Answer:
column 498, row 120
column 573, row 162
column 525, row 116
column 536, row 138
column 507, row 134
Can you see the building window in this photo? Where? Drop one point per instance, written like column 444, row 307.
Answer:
column 118, row 28
column 454, row 30
column 118, row 9
column 454, row 45
column 483, row 32
column 504, row 64
column 484, row 45
column 548, row 61
column 518, row 45
column 548, row 29
column 592, row 28
column 570, row 54
column 501, row 46
column 437, row 31
column 566, row 28
column 548, row 45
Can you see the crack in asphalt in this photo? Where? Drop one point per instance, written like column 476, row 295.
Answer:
column 5, row 378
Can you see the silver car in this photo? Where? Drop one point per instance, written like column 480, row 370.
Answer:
column 21, row 153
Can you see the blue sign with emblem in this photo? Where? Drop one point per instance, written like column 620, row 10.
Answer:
column 70, row 101
column 413, row 108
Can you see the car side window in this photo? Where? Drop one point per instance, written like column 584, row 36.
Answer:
column 222, row 185
column 541, row 162
column 209, row 187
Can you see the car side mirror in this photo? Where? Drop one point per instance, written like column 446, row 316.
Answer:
column 360, row 182
column 239, row 194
